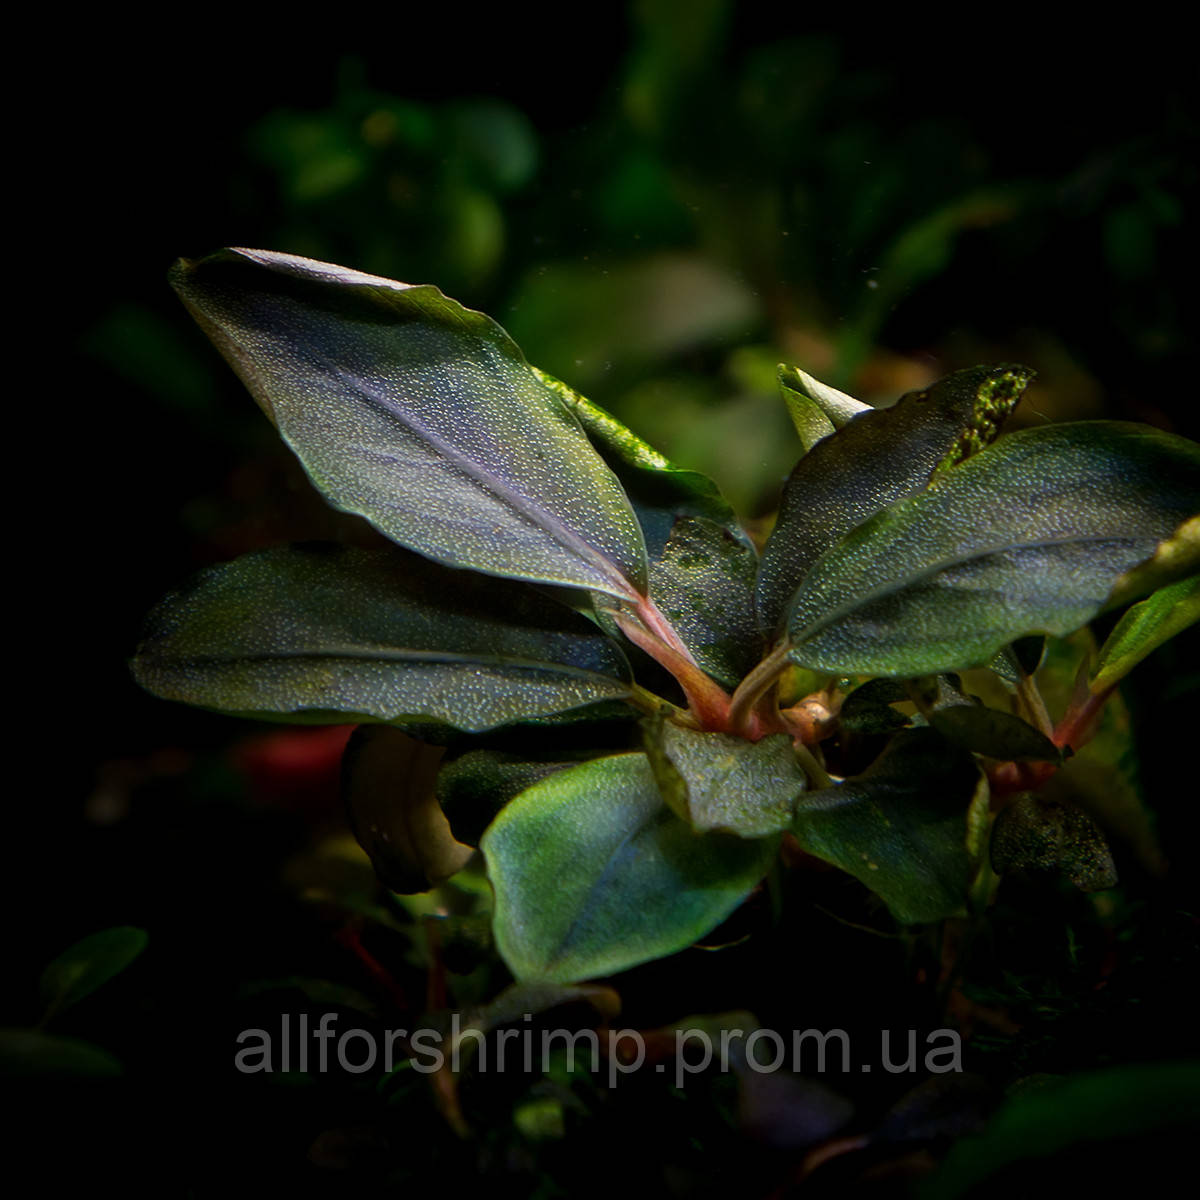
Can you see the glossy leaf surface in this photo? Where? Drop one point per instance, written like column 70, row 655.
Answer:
column 877, row 458
column 420, row 415
column 1026, row 537
column 594, row 874
column 302, row 633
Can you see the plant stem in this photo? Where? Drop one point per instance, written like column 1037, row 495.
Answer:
column 754, row 685
column 650, row 631
column 817, row 775
column 1035, row 707
column 1078, row 724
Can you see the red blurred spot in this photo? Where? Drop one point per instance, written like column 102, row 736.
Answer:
column 297, row 768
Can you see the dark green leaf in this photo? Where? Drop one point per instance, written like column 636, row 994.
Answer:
column 1093, row 1111
column 877, row 458
column 301, row 633
column 29, row 1053
column 720, row 782
column 1175, row 558
column 474, row 788
column 1027, row 536
column 594, row 874
column 704, row 585
column 868, row 709
column 900, row 827
column 702, row 564
column 420, row 415
column 994, row 733
column 82, row 968
column 659, row 491
column 1033, row 833
column 1021, row 658
column 388, row 788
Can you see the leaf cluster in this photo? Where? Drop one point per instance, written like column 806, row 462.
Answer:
column 543, row 568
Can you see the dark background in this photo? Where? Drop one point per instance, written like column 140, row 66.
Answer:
column 1012, row 196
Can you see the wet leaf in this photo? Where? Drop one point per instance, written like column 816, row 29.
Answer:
column 900, row 827
column 475, row 787
column 702, row 564
column 593, row 874
column 1027, row 536
column 874, row 460
column 420, row 415
column 322, row 633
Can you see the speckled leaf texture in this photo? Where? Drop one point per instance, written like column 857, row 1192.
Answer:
column 875, row 459
column 420, row 415
column 334, row 633
column 720, row 782
column 901, row 826
column 1028, row 536
column 593, row 874
column 702, row 563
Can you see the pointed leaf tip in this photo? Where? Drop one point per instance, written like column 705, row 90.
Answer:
column 421, row 416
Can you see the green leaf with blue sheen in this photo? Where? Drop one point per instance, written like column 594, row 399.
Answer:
column 329, row 633
column 900, row 827
column 1026, row 537
column 1144, row 628
column 420, row 415
column 877, row 458
column 593, row 874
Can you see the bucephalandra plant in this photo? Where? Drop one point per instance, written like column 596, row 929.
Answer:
column 551, row 572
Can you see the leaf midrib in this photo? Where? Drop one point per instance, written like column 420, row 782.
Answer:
column 892, row 586
column 524, row 507
column 398, row 655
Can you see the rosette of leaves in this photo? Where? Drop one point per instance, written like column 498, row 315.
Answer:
column 572, row 641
